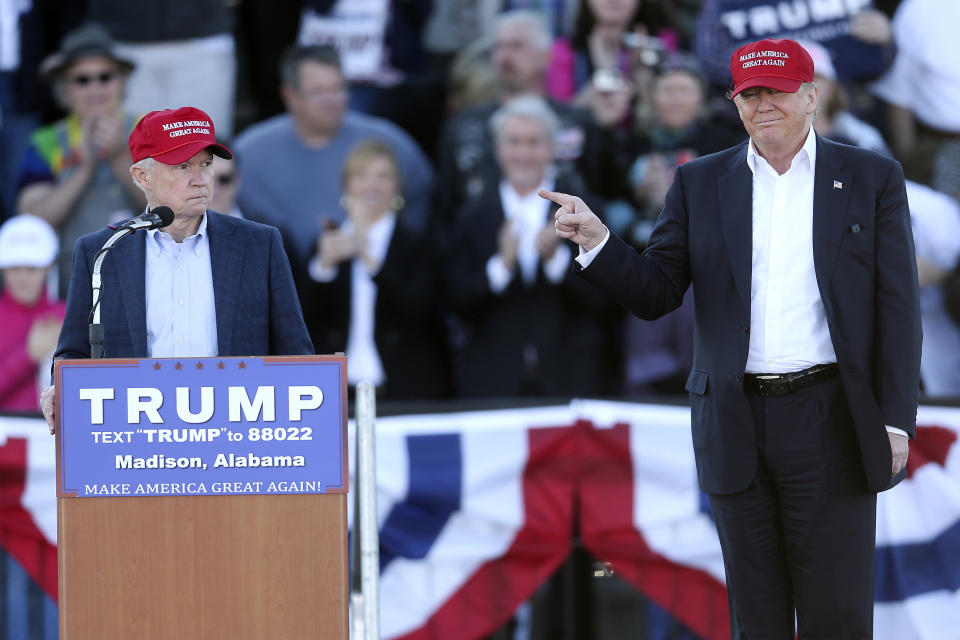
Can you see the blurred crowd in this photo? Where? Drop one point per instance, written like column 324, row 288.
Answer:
column 399, row 145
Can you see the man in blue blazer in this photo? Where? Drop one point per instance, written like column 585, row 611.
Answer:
column 807, row 344
column 206, row 285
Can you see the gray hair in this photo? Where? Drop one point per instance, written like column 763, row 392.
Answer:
column 530, row 108
column 540, row 34
column 147, row 164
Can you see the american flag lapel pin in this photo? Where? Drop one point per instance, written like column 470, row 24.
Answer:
column 837, row 184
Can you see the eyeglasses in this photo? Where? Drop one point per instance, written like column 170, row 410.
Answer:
column 83, row 80
column 225, row 179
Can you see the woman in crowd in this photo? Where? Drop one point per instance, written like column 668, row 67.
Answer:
column 372, row 291
column 612, row 50
column 31, row 322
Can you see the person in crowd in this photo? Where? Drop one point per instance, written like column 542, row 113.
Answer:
column 30, row 32
column 372, row 292
column 31, row 320
column 226, row 180
column 922, row 88
column 677, row 121
column 935, row 219
column 207, row 284
column 834, row 120
column 384, row 60
column 658, row 355
column 806, row 367
column 467, row 164
column 184, row 54
column 302, row 192
column 678, row 118
column 75, row 173
column 676, row 127
column 472, row 82
column 380, row 44
column 509, row 279
column 610, row 41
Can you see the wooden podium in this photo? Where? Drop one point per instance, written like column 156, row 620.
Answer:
column 197, row 566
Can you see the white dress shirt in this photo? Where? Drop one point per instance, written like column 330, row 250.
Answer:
column 181, row 311
column 788, row 324
column 528, row 214
column 365, row 363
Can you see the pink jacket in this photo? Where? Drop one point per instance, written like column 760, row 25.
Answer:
column 18, row 373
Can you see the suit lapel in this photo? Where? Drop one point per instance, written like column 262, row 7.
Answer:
column 226, row 257
column 831, row 193
column 129, row 263
column 736, row 219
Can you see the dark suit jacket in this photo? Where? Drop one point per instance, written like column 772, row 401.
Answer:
column 865, row 269
column 408, row 329
column 256, row 304
column 496, row 331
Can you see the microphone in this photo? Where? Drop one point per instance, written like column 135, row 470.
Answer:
column 159, row 217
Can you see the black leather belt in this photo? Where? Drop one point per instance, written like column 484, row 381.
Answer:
column 780, row 384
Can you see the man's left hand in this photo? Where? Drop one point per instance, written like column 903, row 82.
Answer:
column 899, row 448
column 48, row 404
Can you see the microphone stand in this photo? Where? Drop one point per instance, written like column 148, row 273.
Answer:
column 96, row 328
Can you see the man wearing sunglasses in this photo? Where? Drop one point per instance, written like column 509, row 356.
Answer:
column 75, row 173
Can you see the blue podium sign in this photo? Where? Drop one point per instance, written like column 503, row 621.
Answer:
column 201, row 426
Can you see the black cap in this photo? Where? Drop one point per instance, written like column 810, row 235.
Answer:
column 83, row 42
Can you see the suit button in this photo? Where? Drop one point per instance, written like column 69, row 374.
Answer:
column 745, row 328
column 738, row 377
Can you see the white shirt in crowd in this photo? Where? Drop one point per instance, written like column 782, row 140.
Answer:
column 365, row 363
column 528, row 214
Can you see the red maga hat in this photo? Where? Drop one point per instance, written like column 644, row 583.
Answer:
column 173, row 136
column 778, row 64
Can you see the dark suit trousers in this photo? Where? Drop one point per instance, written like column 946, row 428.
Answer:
column 801, row 537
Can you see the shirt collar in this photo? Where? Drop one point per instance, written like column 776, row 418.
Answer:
column 159, row 237
column 808, row 151
column 508, row 193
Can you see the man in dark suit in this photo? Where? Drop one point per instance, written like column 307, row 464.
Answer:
column 509, row 278
column 807, row 345
column 206, row 285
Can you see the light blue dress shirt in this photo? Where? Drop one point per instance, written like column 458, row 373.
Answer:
column 181, row 313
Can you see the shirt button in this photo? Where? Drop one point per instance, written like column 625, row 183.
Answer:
column 180, row 341
column 181, row 301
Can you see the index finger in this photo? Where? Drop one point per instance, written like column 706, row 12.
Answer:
column 564, row 200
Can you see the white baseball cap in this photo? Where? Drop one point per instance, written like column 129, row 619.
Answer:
column 822, row 60
column 27, row 241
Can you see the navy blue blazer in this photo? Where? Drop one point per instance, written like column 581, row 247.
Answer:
column 257, row 309
column 866, row 271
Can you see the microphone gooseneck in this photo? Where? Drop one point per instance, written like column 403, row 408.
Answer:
column 155, row 219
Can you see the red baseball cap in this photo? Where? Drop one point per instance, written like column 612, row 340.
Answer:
column 173, row 136
column 778, row 64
